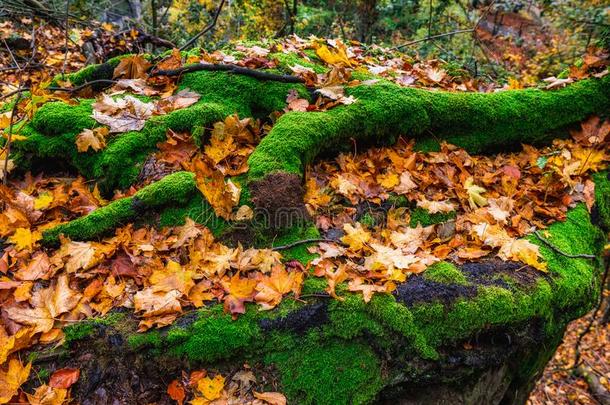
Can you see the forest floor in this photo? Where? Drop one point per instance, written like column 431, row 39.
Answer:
column 353, row 179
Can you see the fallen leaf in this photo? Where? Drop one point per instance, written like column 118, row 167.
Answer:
column 64, row 378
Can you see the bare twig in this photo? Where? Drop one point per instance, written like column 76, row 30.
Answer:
column 209, row 27
column 561, row 252
column 446, row 34
column 302, row 242
column 220, row 67
column 82, row 86
column 12, row 93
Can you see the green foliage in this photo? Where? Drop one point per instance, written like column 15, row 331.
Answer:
column 87, row 327
column 602, row 198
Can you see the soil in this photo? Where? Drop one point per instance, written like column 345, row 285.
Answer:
column 280, row 197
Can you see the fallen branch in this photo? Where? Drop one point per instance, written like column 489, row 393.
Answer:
column 12, row 93
column 206, row 29
column 561, row 252
column 82, row 86
column 302, row 242
column 599, row 392
column 221, row 67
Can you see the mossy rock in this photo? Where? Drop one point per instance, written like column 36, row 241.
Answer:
column 473, row 332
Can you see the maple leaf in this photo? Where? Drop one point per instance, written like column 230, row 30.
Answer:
column 173, row 277
column 182, row 99
column 132, row 67
column 524, row 251
column 24, row 239
column 367, row 290
column 593, row 131
column 46, row 395
column 434, row 207
column 81, row 255
column 221, row 195
column 240, row 290
column 94, row 139
column 475, row 199
column 336, row 56
column 122, row 115
column 501, row 208
column 211, row 388
column 176, row 391
column 272, row 398
column 16, row 342
column 11, row 378
column 271, row 289
column 406, row 184
column 356, row 237
column 64, row 378
column 43, row 201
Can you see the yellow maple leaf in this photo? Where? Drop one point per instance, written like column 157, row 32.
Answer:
column 474, row 194
column 45, row 395
column 355, row 237
column 335, row 57
column 23, row 238
column 43, row 201
column 211, row 388
column 12, row 378
column 91, row 138
column 524, row 251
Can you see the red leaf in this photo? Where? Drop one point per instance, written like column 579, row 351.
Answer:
column 175, row 390
column 64, row 378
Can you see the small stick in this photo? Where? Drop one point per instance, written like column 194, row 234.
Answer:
column 206, row 29
column 561, row 252
column 82, row 86
column 301, row 242
column 221, row 67
column 446, row 34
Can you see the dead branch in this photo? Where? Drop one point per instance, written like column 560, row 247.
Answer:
column 82, row 86
column 209, row 27
column 221, row 67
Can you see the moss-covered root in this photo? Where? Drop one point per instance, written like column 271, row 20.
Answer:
column 477, row 122
column 174, row 189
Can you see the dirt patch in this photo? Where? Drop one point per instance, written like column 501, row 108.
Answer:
column 419, row 290
column 298, row 321
column 279, row 198
column 493, row 272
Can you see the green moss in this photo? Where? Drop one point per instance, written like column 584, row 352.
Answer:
column 420, row 216
column 215, row 336
column 331, row 373
column 602, row 198
column 148, row 340
column 445, row 273
column 477, row 122
column 291, row 59
column 294, row 234
column 87, row 327
column 176, row 188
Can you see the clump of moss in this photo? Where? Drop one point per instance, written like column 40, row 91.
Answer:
column 331, row 373
column 87, row 327
column 602, row 198
column 445, row 273
column 420, row 216
column 476, row 122
column 176, row 188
